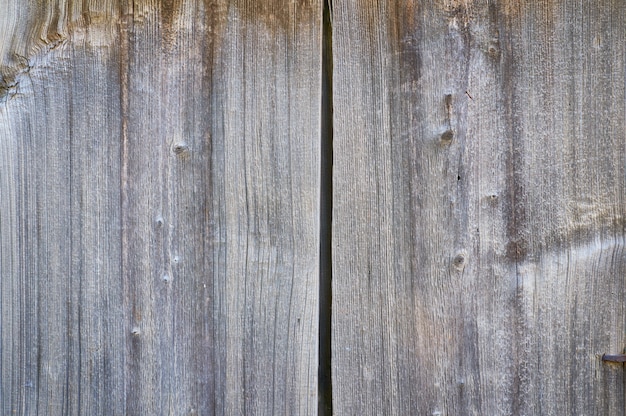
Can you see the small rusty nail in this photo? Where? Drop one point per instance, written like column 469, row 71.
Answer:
column 615, row 358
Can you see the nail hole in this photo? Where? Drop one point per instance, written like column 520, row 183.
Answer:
column 447, row 136
column 459, row 261
column 135, row 331
column 180, row 148
column 493, row 48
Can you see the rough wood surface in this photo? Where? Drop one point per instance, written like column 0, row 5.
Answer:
column 479, row 207
column 159, row 209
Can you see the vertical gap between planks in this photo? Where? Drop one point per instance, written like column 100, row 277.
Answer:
column 326, row 208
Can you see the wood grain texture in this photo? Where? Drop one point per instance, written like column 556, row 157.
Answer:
column 159, row 172
column 479, row 216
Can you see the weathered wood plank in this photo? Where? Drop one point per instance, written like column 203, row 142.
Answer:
column 159, row 171
column 61, row 310
column 479, row 260
column 266, row 200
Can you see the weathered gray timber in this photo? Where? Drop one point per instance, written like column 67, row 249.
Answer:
column 479, row 207
column 159, row 207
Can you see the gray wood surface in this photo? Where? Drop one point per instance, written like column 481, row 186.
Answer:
column 479, row 207
column 159, row 208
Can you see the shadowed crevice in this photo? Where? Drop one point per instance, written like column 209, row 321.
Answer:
column 326, row 208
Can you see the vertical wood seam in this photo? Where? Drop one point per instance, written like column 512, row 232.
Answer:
column 326, row 207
